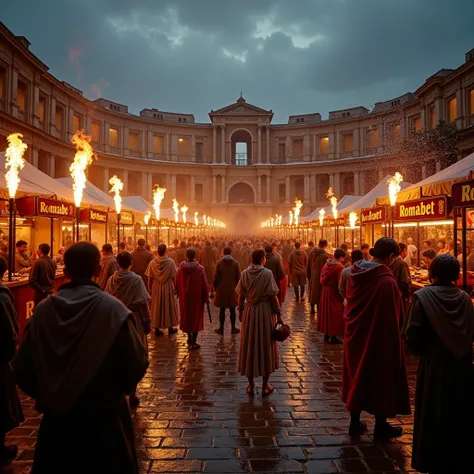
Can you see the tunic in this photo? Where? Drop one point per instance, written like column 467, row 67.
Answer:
column 258, row 354
column 298, row 263
column 108, row 266
column 401, row 273
column 164, row 307
column 374, row 376
column 141, row 258
column 192, row 287
column 440, row 329
column 79, row 357
column 22, row 261
column 225, row 281
column 317, row 259
column 331, row 307
column 11, row 414
column 209, row 261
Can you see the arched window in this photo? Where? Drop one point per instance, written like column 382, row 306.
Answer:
column 241, row 193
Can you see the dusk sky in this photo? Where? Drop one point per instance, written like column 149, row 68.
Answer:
column 294, row 57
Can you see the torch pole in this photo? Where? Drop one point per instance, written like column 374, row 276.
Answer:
column 393, row 222
column 118, row 231
column 11, row 240
column 352, row 240
column 146, row 233
column 78, row 218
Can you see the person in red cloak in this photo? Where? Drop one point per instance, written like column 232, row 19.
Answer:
column 331, row 309
column 192, row 288
column 374, row 376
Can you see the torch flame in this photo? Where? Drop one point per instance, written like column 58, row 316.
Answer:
column 333, row 200
column 146, row 219
column 83, row 158
column 158, row 196
column 291, row 217
column 117, row 186
column 204, row 219
column 14, row 162
column 394, row 187
column 184, row 209
column 176, row 210
column 322, row 212
column 196, row 220
column 297, row 209
column 353, row 219
column 209, row 221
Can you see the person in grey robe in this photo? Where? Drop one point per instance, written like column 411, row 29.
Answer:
column 129, row 288
column 11, row 414
column 79, row 359
column 440, row 329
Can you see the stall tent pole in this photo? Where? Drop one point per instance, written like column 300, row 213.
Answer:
column 455, row 232
column 90, row 231
column 464, row 253
column 78, row 218
column 52, row 236
column 118, row 230
column 418, row 242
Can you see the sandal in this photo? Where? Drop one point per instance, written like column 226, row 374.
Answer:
column 250, row 390
column 268, row 390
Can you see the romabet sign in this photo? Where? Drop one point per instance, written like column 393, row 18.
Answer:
column 463, row 194
column 45, row 208
column 374, row 215
column 429, row 209
column 93, row 215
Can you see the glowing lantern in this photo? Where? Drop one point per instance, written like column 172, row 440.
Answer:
column 322, row 212
column 291, row 217
column 146, row 219
column 176, row 210
column 353, row 219
column 196, row 220
column 297, row 209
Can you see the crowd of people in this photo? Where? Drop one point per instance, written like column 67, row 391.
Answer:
column 85, row 349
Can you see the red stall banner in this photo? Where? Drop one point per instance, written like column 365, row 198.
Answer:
column 425, row 209
column 463, row 194
column 94, row 216
column 43, row 207
column 373, row 215
column 126, row 218
column 339, row 222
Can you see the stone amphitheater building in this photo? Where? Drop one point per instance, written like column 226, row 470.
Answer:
column 240, row 167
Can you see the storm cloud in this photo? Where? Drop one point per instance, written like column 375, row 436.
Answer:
column 290, row 56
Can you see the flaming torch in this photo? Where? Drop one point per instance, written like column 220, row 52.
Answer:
column 146, row 219
column 393, row 189
column 297, row 209
column 83, row 158
column 322, row 213
column 196, row 220
column 184, row 209
column 291, row 217
column 176, row 210
column 117, row 187
column 14, row 162
column 204, row 219
column 209, row 221
column 352, row 223
column 158, row 196
column 333, row 200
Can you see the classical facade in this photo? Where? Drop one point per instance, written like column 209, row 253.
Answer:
column 239, row 167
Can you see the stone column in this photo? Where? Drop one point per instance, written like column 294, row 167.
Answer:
column 35, row 112
column 124, row 132
column 145, row 192
column 259, row 143
column 223, row 157
column 356, row 183
column 142, row 144
column 106, row 136
column 125, row 182
column 52, row 115
column 312, row 187
column 331, row 180
column 288, row 150
column 269, row 190
column 438, row 110
column 460, row 107
column 331, row 151
column 362, row 183
column 193, row 189
column 355, row 138
column 214, row 143
column 287, row 190
column 88, row 124
column 166, row 146
column 149, row 153
column 173, row 187
column 306, row 197
column 174, row 147
column 106, row 179
column 306, row 147
column 193, row 148
column 69, row 122
column 149, row 177
column 315, row 147
column 214, row 189
column 223, row 188
column 52, row 166
column 267, row 151
column 14, row 89
column 259, row 189
column 34, row 156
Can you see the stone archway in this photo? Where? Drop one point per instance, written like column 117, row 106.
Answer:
column 241, row 146
column 241, row 193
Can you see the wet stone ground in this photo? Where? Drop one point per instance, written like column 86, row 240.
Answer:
column 196, row 417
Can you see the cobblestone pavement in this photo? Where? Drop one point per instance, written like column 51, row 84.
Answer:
column 196, row 417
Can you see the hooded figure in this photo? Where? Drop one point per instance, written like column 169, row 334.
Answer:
column 331, row 311
column 79, row 358
column 161, row 274
column 374, row 374
column 298, row 262
column 192, row 288
column 440, row 328
column 317, row 258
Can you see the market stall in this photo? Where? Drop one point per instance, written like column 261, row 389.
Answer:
column 373, row 222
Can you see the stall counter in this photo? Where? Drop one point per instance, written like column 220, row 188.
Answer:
column 23, row 295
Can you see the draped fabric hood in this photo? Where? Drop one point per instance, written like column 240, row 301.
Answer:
column 451, row 313
column 71, row 333
column 331, row 267
column 128, row 287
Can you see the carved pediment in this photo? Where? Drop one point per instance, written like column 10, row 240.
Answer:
column 241, row 108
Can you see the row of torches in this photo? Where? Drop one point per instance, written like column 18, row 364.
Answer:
column 394, row 187
column 83, row 158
